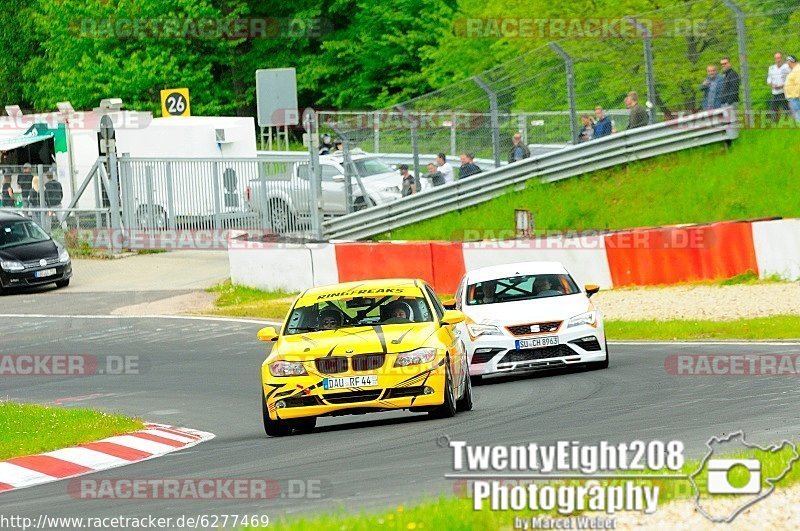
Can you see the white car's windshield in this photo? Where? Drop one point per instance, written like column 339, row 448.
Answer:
column 367, row 167
column 332, row 314
column 24, row 231
column 520, row 288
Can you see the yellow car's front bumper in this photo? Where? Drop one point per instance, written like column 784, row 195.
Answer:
column 398, row 388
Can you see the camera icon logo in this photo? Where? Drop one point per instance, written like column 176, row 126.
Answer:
column 725, row 476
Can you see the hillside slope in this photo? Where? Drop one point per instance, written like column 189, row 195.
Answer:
column 756, row 177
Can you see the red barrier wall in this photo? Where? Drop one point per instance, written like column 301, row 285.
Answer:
column 679, row 254
column 441, row 264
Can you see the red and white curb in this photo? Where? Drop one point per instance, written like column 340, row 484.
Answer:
column 154, row 441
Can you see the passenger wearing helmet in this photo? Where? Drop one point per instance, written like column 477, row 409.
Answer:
column 329, row 319
column 399, row 312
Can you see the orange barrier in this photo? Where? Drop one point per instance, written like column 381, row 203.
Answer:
column 439, row 263
column 680, row 254
column 447, row 262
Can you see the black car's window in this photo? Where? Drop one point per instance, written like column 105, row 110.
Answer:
column 20, row 232
column 521, row 287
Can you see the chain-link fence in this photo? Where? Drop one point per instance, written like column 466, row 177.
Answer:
column 550, row 91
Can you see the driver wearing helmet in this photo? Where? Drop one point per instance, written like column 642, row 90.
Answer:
column 329, row 319
column 400, row 312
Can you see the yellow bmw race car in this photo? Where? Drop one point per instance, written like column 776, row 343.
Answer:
column 361, row 347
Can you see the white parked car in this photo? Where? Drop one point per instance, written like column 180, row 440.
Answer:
column 528, row 316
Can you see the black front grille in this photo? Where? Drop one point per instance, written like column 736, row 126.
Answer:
column 35, row 263
column 331, row 365
column 368, row 362
column 530, row 354
column 399, row 392
column 525, row 329
column 484, row 355
column 352, row 396
column 590, row 344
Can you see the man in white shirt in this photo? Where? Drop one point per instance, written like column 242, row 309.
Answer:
column 445, row 168
column 776, row 78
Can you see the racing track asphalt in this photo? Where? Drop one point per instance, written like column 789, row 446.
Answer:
column 205, row 375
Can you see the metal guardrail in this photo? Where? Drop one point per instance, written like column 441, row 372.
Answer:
column 637, row 144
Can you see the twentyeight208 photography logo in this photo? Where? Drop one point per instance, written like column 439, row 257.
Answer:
column 726, row 487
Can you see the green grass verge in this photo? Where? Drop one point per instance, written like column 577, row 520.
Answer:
column 702, row 185
column 30, row 429
column 773, row 327
column 458, row 513
column 241, row 301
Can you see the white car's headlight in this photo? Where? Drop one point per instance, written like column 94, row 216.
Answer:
column 476, row 330
column 12, row 265
column 287, row 368
column 63, row 256
column 415, row 357
column 588, row 318
column 393, row 190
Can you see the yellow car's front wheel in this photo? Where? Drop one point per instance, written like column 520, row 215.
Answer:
column 281, row 428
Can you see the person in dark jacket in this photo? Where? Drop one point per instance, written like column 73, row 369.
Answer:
column 519, row 150
column 638, row 116
column 53, row 194
column 9, row 199
column 468, row 166
column 603, row 126
column 730, row 83
column 408, row 185
column 434, row 175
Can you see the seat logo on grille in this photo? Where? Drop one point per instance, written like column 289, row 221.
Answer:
column 535, row 328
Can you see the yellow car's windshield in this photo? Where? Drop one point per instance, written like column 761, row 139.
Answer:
column 328, row 312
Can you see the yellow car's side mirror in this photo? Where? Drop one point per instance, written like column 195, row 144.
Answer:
column 450, row 303
column 591, row 289
column 268, row 333
column 452, row 317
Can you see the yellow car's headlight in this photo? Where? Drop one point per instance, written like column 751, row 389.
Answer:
column 287, row 368
column 415, row 357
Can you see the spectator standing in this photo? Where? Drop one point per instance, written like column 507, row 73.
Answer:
column 325, row 147
column 445, row 168
column 730, row 84
column 468, row 166
column 602, row 126
column 638, row 114
column 587, row 133
column 519, row 150
column 53, row 194
column 792, row 87
column 24, row 182
column 711, row 87
column 434, row 175
column 9, row 200
column 776, row 79
column 409, row 185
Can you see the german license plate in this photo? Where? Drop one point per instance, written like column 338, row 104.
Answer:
column 45, row 273
column 537, row 342
column 367, row 380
